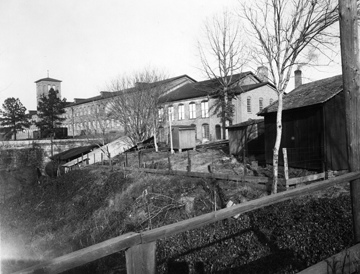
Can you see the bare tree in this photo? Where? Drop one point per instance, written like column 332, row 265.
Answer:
column 222, row 55
column 136, row 103
column 280, row 31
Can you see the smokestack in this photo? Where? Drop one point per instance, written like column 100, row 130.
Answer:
column 298, row 78
column 262, row 73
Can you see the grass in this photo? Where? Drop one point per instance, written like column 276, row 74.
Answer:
column 91, row 205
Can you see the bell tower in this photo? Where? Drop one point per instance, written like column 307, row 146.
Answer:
column 44, row 85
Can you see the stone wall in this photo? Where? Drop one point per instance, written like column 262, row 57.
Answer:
column 19, row 161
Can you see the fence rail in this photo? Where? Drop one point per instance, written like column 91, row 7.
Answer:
column 140, row 254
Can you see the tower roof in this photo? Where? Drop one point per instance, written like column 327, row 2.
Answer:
column 48, row 79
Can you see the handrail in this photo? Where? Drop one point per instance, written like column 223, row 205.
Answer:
column 125, row 241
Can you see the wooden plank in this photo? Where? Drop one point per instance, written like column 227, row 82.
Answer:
column 140, row 259
column 218, row 176
column 313, row 177
column 347, row 261
column 169, row 230
column 85, row 255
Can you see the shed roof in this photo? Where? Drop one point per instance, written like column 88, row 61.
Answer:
column 48, row 79
column 313, row 93
column 246, row 123
column 73, row 153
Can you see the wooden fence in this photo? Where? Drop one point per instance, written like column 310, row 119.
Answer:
column 141, row 247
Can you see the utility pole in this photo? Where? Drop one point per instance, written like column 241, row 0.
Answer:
column 351, row 86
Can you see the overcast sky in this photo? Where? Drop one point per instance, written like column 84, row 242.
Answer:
column 87, row 43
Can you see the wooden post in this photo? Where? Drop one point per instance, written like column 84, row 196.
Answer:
column 94, row 158
column 189, row 162
column 102, row 158
column 286, row 168
column 139, row 155
column 351, row 86
column 140, row 259
column 169, row 161
column 126, row 160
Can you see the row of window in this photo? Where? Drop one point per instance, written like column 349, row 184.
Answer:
column 94, row 124
column 181, row 111
column 261, row 103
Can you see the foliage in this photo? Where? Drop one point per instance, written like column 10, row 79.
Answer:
column 13, row 116
column 50, row 109
column 136, row 103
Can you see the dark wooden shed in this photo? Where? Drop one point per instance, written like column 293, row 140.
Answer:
column 314, row 130
column 183, row 137
column 247, row 135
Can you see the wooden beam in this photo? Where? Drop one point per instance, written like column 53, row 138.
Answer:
column 140, row 259
column 347, row 261
column 349, row 40
column 85, row 255
column 308, row 178
column 172, row 229
column 218, row 176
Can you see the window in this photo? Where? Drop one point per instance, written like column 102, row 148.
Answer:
column 171, row 113
column 192, row 109
column 205, row 131
column 261, row 105
column 271, row 101
column 204, row 109
column 181, row 111
column 248, row 104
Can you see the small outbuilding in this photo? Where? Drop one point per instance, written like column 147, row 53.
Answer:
column 313, row 126
column 247, row 138
column 183, row 137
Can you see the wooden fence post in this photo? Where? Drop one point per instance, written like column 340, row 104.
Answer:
column 169, row 161
column 139, row 155
column 126, row 160
column 189, row 162
column 102, row 158
column 94, row 158
column 140, row 259
column 286, row 168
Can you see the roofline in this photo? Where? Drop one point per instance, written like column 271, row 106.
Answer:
column 48, row 79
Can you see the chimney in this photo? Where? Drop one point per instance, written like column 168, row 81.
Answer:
column 262, row 74
column 298, row 78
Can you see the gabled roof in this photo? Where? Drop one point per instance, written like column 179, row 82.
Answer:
column 48, row 79
column 207, row 88
column 109, row 94
column 313, row 93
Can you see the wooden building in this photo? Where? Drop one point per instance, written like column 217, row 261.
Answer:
column 314, row 130
column 183, row 137
column 247, row 138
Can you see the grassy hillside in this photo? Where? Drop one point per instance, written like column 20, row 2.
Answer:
column 91, row 205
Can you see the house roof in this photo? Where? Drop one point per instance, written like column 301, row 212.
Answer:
column 246, row 123
column 48, row 79
column 109, row 94
column 207, row 88
column 313, row 93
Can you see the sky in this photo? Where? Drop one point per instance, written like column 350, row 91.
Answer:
column 88, row 43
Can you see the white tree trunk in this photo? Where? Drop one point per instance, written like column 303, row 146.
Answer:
column 277, row 144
